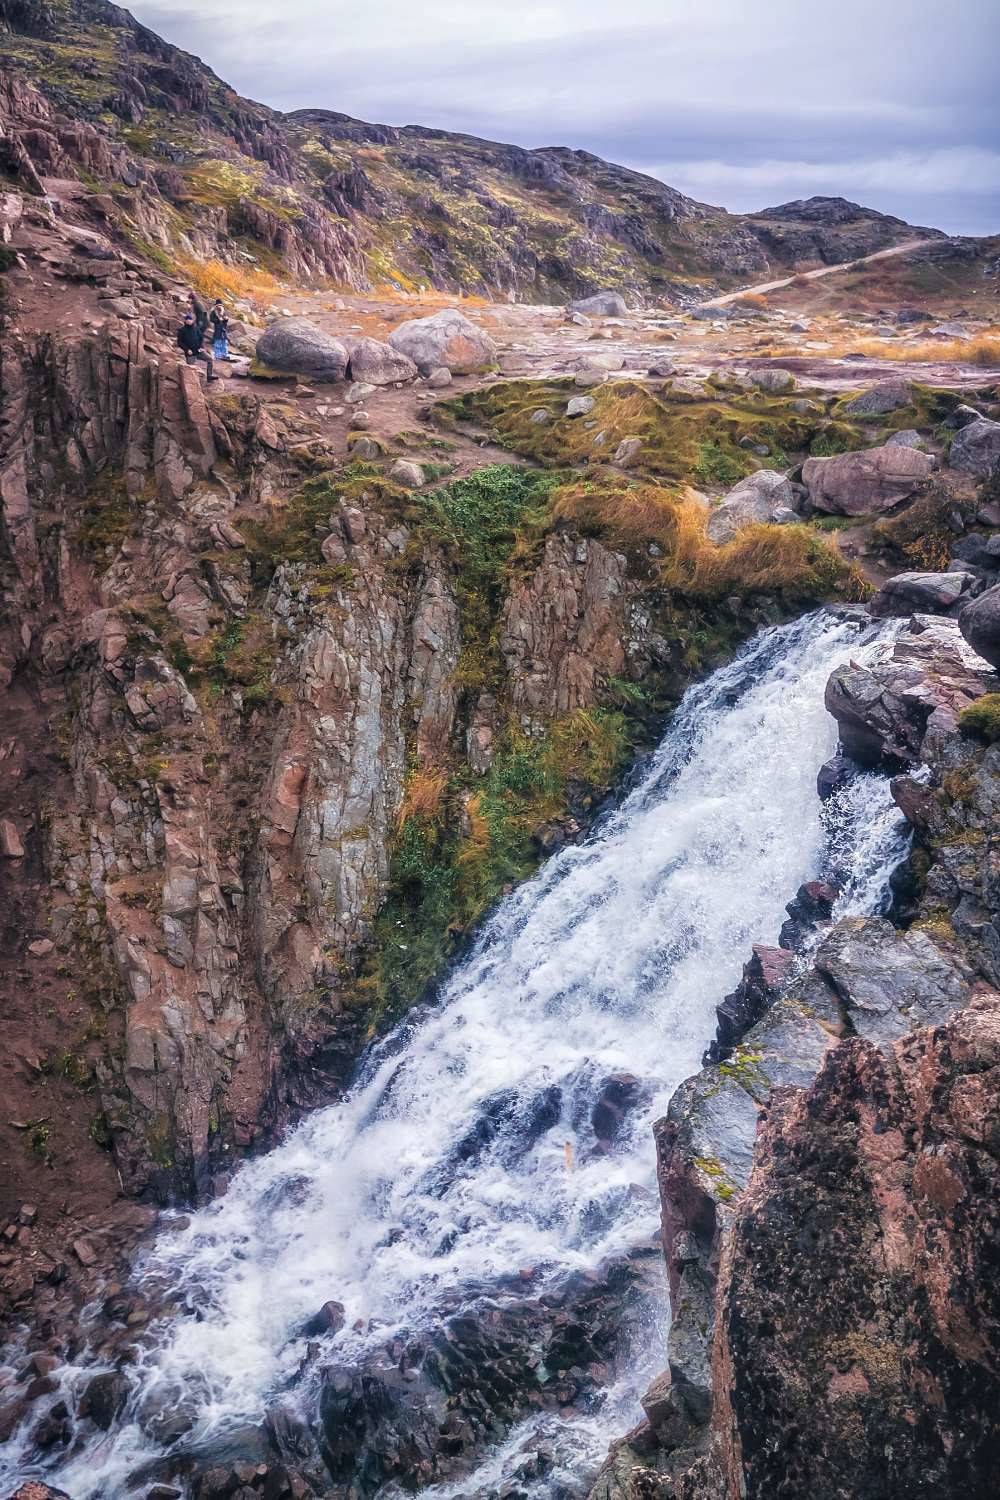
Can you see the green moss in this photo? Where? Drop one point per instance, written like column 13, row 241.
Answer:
column 712, row 1168
column 981, row 720
column 451, row 866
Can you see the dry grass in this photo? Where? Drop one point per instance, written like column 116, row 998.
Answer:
column 793, row 562
column 751, row 299
column 425, row 791
column 213, row 278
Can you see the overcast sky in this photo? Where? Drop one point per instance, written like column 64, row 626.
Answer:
column 890, row 102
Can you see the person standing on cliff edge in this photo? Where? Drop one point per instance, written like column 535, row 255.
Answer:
column 191, row 341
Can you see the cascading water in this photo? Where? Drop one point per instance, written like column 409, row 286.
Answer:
column 465, row 1150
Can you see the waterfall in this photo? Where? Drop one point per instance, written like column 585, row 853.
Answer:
column 465, row 1149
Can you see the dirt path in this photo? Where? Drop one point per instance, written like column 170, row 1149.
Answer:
column 847, row 265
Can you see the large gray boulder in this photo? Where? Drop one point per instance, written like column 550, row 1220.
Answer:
column 759, row 497
column 300, row 348
column 446, row 340
column 976, row 449
column 773, row 381
column 865, row 483
column 923, row 593
column 601, row 305
column 376, row 363
column 979, row 622
column 887, row 395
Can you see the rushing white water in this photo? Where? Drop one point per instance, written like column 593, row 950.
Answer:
column 611, row 960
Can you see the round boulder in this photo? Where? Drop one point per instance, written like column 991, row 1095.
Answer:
column 601, row 305
column 300, row 348
column 979, row 622
column 887, row 395
column 375, row 363
column 773, row 381
column 766, row 496
column 446, row 340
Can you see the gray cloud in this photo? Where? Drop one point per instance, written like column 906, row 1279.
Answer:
column 889, row 101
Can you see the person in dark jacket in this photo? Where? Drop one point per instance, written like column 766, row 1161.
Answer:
column 198, row 309
column 191, row 341
column 220, row 331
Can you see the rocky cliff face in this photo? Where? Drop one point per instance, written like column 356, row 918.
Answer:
column 825, row 1180
column 180, row 165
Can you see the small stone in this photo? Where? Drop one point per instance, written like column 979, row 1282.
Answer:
column 366, row 448
column 590, row 377
column 85, row 1252
column 580, row 406
column 540, row 417
column 11, row 846
column 360, row 421
column 628, row 451
column 360, row 391
column 41, row 948
column 407, row 473
column 439, row 377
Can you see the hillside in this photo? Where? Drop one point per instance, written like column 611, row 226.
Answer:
column 181, row 166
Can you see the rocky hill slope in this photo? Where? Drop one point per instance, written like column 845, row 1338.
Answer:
column 181, row 165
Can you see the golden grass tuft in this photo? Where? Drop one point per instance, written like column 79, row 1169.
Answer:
column 214, row 278
column 425, row 789
column 751, row 299
column 794, row 562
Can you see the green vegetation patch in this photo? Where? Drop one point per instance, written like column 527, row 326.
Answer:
column 981, row 720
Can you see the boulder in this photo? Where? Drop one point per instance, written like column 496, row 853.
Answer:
column 925, row 593
column 774, row 381
column 758, row 497
column 299, row 347
column 628, row 451
column 360, row 391
column 376, row 363
column 580, row 406
column 867, row 482
column 908, row 437
column 445, row 340
column 601, row 305
column 979, row 622
column 887, row 395
column 407, row 473
column 440, row 377
column 975, row 449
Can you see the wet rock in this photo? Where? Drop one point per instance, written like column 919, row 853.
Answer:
column 812, row 907
column 866, row 482
column 34, row 1490
column 833, row 774
column 375, row 363
column 889, row 982
column 979, row 623
column 759, row 497
column 929, row 593
column 619, row 1095
column 764, row 977
column 103, row 1398
column 331, row 1318
column 975, row 449
column 884, row 396
column 298, row 346
column 445, row 340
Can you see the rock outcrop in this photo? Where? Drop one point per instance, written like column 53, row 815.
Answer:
column 827, row 1179
column 865, row 483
